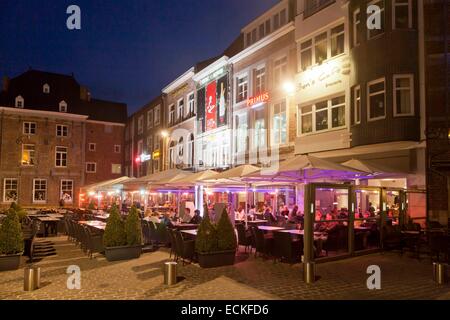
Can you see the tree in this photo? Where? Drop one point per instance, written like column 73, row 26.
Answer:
column 22, row 214
column 225, row 233
column 115, row 235
column 206, row 240
column 133, row 228
column 11, row 237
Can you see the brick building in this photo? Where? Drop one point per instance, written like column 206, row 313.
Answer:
column 56, row 139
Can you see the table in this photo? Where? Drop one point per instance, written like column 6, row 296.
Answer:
column 363, row 228
column 48, row 223
column 190, row 232
column 102, row 216
column 411, row 233
column 185, row 226
column 94, row 224
column 55, row 215
column 269, row 228
column 257, row 222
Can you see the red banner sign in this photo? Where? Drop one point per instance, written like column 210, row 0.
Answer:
column 261, row 98
column 211, row 106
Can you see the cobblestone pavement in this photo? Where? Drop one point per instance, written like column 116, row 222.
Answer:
column 250, row 278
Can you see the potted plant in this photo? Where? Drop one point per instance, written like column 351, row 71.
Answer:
column 216, row 245
column 11, row 242
column 22, row 214
column 122, row 241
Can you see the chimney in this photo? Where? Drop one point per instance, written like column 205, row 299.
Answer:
column 85, row 95
column 5, row 83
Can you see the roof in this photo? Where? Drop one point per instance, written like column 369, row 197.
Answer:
column 101, row 110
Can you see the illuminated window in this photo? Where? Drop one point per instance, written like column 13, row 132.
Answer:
column 259, row 137
column 356, row 25
column 191, row 104
column 403, row 95
column 39, row 190
column 357, row 104
column 149, row 119
column 242, row 89
column 46, row 88
column 306, row 118
column 376, row 32
column 338, row 112
column 61, row 157
column 376, row 99
column 10, row 190
column 66, row 191
column 172, row 114
column 19, row 103
column 181, row 109
column 337, row 40
column 260, row 80
column 402, row 14
column 91, row 167
column 279, row 71
column 63, row 107
column 279, row 124
column 320, row 48
column 241, row 136
column 29, row 128
column 62, row 130
column 28, row 154
column 306, row 54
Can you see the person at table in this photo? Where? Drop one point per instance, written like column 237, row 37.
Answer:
column 268, row 214
column 154, row 218
column 292, row 216
column 197, row 218
column 166, row 220
column 240, row 214
column 371, row 210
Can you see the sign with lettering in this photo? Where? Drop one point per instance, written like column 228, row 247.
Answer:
column 261, row 98
column 211, row 106
column 156, row 154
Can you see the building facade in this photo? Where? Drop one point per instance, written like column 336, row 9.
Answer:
column 55, row 139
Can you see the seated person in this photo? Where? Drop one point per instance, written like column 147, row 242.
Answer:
column 240, row 214
column 154, row 218
column 285, row 211
column 197, row 218
column 166, row 220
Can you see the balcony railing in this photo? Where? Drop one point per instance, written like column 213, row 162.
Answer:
column 314, row 6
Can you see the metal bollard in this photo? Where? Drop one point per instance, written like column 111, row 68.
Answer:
column 28, row 280
column 170, row 273
column 37, row 277
column 309, row 272
column 439, row 273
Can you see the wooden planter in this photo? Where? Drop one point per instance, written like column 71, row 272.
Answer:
column 123, row 253
column 10, row 262
column 216, row 259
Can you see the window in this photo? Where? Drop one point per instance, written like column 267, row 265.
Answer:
column 172, row 114
column 172, row 147
column 181, row 109
column 191, row 104
column 91, row 167
column 191, row 150
column 253, row 36
column 276, row 21
column 306, row 54
column 375, row 32
column 39, row 190
column 61, row 157
column 241, row 136
column 140, row 147
column 402, row 14
column 66, row 191
column 259, row 138
column 149, row 119
column 157, row 115
column 28, row 154
column 150, row 144
column 376, row 99
column 19, row 103
column 242, row 88
column 356, row 25
column 283, row 17
column 260, row 80
column 116, row 168
column 29, row 128
column 249, row 39
column 92, row 147
column 268, row 27
column 403, row 95
column 63, row 106
column 10, row 190
column 322, row 116
column 337, row 40
column 320, row 48
column 46, row 88
column 140, row 124
column 279, row 124
column 157, row 144
column 261, row 31
column 62, row 130
column 180, row 148
column 279, row 71
column 117, row 148
column 357, row 104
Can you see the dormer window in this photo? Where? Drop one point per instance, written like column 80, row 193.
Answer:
column 19, row 102
column 46, row 88
column 63, row 106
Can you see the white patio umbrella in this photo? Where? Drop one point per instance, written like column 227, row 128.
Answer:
column 194, row 178
column 368, row 167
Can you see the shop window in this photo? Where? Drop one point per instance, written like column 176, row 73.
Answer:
column 376, row 99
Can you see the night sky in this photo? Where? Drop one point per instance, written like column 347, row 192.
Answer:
column 127, row 50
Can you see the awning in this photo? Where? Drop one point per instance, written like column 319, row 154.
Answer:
column 368, row 167
column 160, row 178
column 108, row 185
column 194, row 178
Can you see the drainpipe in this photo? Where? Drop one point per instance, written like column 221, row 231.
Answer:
column 422, row 75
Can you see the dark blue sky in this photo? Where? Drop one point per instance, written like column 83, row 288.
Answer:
column 127, row 50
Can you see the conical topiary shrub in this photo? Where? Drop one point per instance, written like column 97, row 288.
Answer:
column 225, row 233
column 133, row 228
column 114, row 235
column 206, row 240
column 22, row 214
column 11, row 237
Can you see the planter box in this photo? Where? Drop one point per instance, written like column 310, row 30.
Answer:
column 216, row 259
column 10, row 262
column 123, row 253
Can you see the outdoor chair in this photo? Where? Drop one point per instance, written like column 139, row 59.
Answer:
column 392, row 239
column 186, row 248
column 152, row 231
column 439, row 247
column 285, row 248
column 162, row 232
column 337, row 239
column 94, row 242
column 173, row 245
column 244, row 239
column 146, row 232
column 264, row 243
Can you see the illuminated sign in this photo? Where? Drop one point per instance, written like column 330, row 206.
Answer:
column 143, row 158
column 261, row 98
column 212, row 76
column 156, row 154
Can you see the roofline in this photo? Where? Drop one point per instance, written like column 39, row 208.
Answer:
column 221, row 62
column 43, row 113
column 279, row 4
column 179, row 81
column 106, row 122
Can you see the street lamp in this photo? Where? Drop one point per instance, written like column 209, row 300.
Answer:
column 289, row 87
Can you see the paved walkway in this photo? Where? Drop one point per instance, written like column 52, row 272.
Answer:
column 249, row 278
